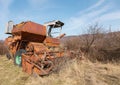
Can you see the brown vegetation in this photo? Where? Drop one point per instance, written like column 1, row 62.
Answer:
column 96, row 44
column 3, row 49
column 72, row 73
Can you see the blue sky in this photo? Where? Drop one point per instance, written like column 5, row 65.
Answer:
column 76, row 14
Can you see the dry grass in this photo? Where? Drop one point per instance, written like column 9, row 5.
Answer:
column 73, row 73
column 10, row 74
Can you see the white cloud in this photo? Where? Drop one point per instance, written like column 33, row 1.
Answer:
column 99, row 12
column 4, row 13
column 5, row 3
column 94, row 6
column 100, row 2
column 86, row 18
column 110, row 16
column 4, row 9
column 37, row 3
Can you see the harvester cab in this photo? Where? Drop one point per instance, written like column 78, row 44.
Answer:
column 9, row 27
column 51, row 28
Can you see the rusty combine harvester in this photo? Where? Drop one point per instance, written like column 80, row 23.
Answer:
column 32, row 47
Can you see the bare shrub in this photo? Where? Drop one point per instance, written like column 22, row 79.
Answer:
column 3, row 50
column 110, row 48
column 72, row 43
column 96, row 44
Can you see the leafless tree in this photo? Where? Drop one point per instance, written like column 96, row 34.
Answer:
column 92, row 34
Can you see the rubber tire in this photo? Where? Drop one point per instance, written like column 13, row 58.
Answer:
column 18, row 54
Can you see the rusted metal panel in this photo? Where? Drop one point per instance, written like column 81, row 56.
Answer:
column 32, row 37
column 30, row 27
column 52, row 41
column 32, row 64
column 38, row 48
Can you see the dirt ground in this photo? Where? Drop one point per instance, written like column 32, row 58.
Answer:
column 73, row 73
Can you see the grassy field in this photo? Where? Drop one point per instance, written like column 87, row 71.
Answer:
column 73, row 73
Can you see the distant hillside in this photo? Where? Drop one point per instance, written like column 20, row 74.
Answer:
column 107, row 35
